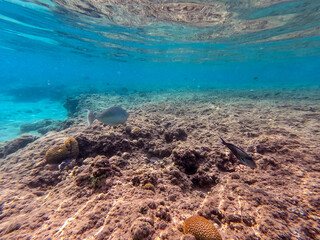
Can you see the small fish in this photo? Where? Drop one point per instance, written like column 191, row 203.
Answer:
column 243, row 157
column 111, row 116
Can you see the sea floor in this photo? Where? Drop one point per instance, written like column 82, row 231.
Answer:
column 142, row 179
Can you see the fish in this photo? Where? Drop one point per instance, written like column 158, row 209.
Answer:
column 90, row 117
column 112, row 116
column 243, row 157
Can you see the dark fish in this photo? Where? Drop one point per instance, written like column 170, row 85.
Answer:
column 111, row 116
column 243, row 157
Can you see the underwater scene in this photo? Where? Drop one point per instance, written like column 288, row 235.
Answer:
column 160, row 119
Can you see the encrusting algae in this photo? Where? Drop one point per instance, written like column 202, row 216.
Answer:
column 200, row 228
column 69, row 149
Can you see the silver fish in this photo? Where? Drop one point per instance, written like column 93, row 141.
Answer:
column 90, row 117
column 243, row 157
column 112, row 116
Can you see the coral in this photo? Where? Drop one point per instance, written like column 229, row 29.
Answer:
column 200, row 228
column 69, row 149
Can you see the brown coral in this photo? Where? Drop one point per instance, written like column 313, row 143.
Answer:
column 69, row 149
column 200, row 228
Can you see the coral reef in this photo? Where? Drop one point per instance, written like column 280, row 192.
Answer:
column 200, row 228
column 71, row 105
column 14, row 145
column 69, row 149
column 130, row 182
column 42, row 126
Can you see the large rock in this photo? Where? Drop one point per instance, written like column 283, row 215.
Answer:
column 15, row 144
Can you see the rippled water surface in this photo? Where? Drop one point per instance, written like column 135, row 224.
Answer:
column 187, row 31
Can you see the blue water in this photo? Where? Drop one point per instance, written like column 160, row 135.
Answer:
column 50, row 51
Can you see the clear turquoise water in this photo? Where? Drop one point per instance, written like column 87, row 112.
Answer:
column 49, row 52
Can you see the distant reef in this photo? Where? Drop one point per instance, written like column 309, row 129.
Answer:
column 45, row 125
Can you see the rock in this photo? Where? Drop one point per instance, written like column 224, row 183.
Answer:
column 99, row 175
column 136, row 131
column 188, row 237
column 120, row 162
column 235, row 176
column 47, row 178
column 311, row 231
column 269, row 163
column 249, row 220
column 149, row 186
column 16, row 144
column 315, row 202
column 204, row 180
column 269, row 146
column 163, row 213
column 109, row 145
column 187, row 160
column 233, row 218
column 66, row 124
column 126, row 155
column 180, row 179
column 142, row 229
column 178, row 134
column 162, row 225
column 71, row 105
column 101, row 167
column 42, row 126
column 146, row 180
column 11, row 227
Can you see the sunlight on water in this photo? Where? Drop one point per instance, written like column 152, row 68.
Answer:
column 192, row 32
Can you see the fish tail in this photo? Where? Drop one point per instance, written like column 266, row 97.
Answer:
column 223, row 142
column 90, row 117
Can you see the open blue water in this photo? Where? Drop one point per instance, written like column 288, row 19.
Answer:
column 54, row 49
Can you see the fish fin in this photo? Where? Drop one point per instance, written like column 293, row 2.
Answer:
column 90, row 117
column 223, row 142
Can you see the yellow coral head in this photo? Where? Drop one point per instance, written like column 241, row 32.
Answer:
column 69, row 149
